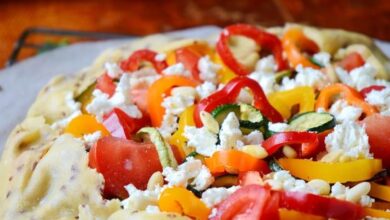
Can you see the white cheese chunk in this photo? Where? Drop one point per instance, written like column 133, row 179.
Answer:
column 343, row 111
column 160, row 57
column 91, row 139
column 208, row 70
column 306, row 76
column 139, row 200
column 177, row 69
column 201, row 139
column 380, row 99
column 230, row 135
column 113, row 70
column 205, row 89
column 213, row 196
column 322, row 58
column 277, row 127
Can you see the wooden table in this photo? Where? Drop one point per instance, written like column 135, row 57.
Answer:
column 371, row 17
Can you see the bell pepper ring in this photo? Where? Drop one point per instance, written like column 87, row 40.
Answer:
column 308, row 140
column 234, row 161
column 183, row 201
column 364, row 92
column 261, row 37
column 135, row 60
column 332, row 172
column 85, row 124
column 376, row 213
column 294, row 43
column 380, row 191
column 158, row 90
column 352, row 96
column 228, row 95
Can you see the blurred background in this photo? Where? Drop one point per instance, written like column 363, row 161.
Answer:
column 137, row 18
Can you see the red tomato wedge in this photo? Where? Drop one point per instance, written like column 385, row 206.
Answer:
column 378, row 131
column 249, row 178
column 352, row 61
column 121, row 125
column 122, row 162
column 252, row 202
column 140, row 98
column 105, row 84
column 190, row 60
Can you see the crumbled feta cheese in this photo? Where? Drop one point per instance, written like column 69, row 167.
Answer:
column 380, row 99
column 245, row 97
column 230, row 135
column 160, row 57
column 322, row 58
column 102, row 104
column 201, row 139
column 277, row 127
column 90, row 139
column 342, row 111
column 360, row 77
column 208, row 70
column 71, row 103
column 253, row 138
column 113, row 70
column 65, row 121
column 213, row 196
column 283, row 180
column 266, row 64
column 143, row 78
column 351, row 138
column 139, row 200
column 169, row 125
column 190, row 171
column 177, row 69
column 205, row 89
column 306, row 76
column 265, row 74
column 177, row 103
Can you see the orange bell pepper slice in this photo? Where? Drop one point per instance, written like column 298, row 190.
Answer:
column 183, row 201
column 85, row 124
column 352, row 96
column 376, row 213
column 234, row 161
column 158, row 90
column 380, row 205
column 332, row 172
column 287, row 214
column 294, row 43
column 380, row 191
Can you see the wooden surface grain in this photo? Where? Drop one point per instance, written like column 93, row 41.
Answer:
column 137, row 17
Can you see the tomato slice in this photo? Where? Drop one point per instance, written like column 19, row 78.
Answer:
column 190, row 60
column 120, row 125
column 378, row 131
column 352, row 61
column 249, row 178
column 122, row 162
column 105, row 84
column 252, row 202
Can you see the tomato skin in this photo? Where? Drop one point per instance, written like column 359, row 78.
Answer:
column 352, row 61
column 122, row 162
column 140, row 98
column 378, row 131
column 105, row 84
column 251, row 202
column 249, row 178
column 190, row 61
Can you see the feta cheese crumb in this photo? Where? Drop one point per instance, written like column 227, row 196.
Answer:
column 192, row 171
column 143, row 78
column 205, row 89
column 283, row 180
column 113, row 70
column 201, row 139
column 277, row 127
column 322, row 58
column 230, row 135
column 177, row 69
column 208, row 70
column 213, row 196
column 351, row 138
column 266, row 64
column 380, row 99
column 343, row 111
column 160, row 57
column 306, row 77
column 71, row 103
column 65, row 121
column 169, row 125
column 139, row 200
column 90, row 139
column 177, row 103
column 253, row 138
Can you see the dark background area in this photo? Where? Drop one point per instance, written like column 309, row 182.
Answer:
column 136, row 17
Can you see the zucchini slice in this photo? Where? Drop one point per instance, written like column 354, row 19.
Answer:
column 222, row 111
column 312, row 121
column 280, row 75
column 86, row 97
column 250, row 117
column 315, row 62
column 164, row 151
column 226, row 181
column 274, row 165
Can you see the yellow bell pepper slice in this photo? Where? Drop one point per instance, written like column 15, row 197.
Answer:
column 224, row 74
column 85, row 124
column 287, row 214
column 185, row 119
column 354, row 171
column 283, row 101
column 183, row 201
column 376, row 213
column 380, row 191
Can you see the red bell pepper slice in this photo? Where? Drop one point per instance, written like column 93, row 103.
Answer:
column 134, row 61
column 190, row 60
column 120, row 125
column 320, row 205
column 106, row 84
column 308, row 140
column 265, row 40
column 352, row 61
column 369, row 89
column 228, row 95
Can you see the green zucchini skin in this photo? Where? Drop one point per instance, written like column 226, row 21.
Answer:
column 274, row 165
column 312, row 121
